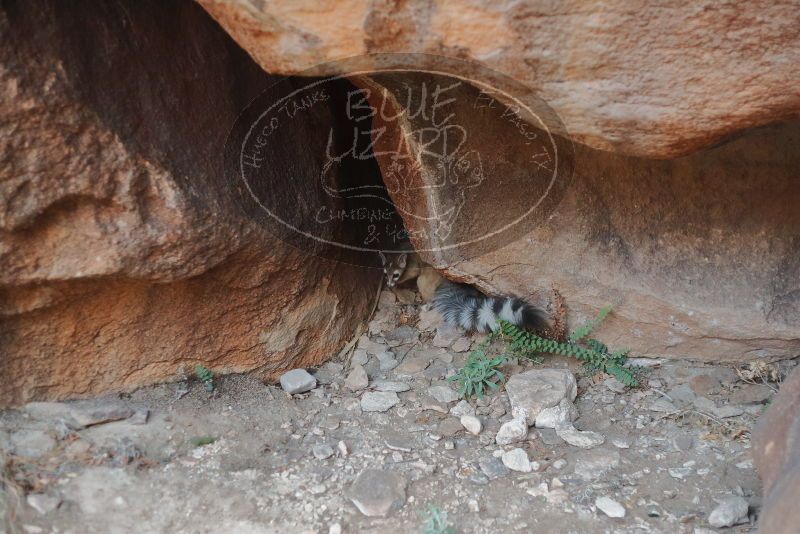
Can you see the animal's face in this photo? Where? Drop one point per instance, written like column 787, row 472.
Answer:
column 393, row 267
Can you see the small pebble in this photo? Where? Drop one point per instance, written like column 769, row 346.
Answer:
column 378, row 401
column 322, row 451
column 730, row 511
column 511, row 432
column 297, row 381
column 517, row 460
column 472, row 424
column 610, row 507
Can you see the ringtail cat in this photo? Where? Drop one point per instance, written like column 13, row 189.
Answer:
column 399, row 268
column 465, row 307
column 461, row 305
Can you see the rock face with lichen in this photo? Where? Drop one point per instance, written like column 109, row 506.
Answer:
column 123, row 258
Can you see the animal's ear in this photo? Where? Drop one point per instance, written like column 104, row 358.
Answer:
column 383, row 257
column 401, row 260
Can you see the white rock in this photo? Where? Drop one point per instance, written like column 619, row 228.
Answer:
column 378, row 401
column 472, row 424
column 610, row 507
column 577, row 438
column 533, row 391
column 565, row 412
column 357, row 379
column 517, row 460
column 443, row 394
column 560, row 464
column 297, row 381
column 512, row 432
column 621, row 443
column 730, row 511
column 462, row 408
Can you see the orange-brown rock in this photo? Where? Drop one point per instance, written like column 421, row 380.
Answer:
column 649, row 79
column 700, row 254
column 777, row 457
column 123, row 256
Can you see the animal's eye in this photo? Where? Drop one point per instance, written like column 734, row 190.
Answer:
column 396, row 276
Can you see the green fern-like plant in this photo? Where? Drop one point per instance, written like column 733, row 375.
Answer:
column 592, row 352
column 590, row 325
column 206, row 376
column 481, row 371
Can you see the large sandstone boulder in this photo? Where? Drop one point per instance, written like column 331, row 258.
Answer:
column 700, row 254
column 124, row 257
column 776, row 451
column 650, row 79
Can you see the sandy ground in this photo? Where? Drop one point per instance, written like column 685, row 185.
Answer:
column 248, row 458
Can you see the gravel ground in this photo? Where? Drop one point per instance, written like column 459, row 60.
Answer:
column 381, row 438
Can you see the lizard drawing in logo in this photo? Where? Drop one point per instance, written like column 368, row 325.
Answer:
column 455, row 169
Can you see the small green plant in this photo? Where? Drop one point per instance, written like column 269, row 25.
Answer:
column 205, row 376
column 436, row 522
column 479, row 372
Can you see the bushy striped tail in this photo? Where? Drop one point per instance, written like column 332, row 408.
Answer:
column 465, row 307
